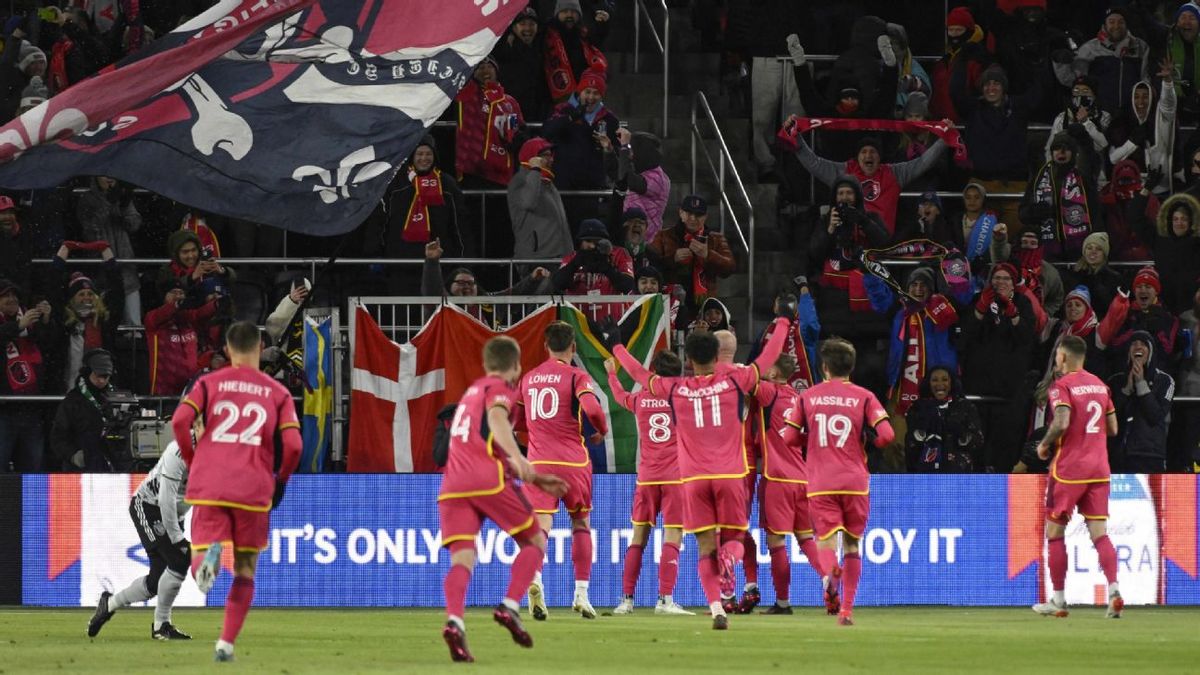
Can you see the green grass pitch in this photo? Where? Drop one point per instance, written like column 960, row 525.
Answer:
column 891, row 640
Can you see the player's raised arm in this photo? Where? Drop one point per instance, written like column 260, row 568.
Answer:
column 774, row 347
column 624, row 398
column 636, row 371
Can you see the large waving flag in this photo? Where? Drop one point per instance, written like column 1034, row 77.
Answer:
column 317, row 423
column 294, row 113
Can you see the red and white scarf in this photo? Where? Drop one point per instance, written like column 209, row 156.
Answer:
column 795, row 126
column 427, row 191
column 485, row 135
column 559, row 76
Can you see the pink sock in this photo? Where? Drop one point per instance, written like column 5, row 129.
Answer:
column 733, row 547
column 750, row 559
column 828, row 558
column 524, row 567
column 1108, row 557
column 1058, row 562
column 809, row 546
column 781, row 572
column 668, row 569
column 455, row 587
column 851, row 573
column 581, row 554
column 633, row 568
column 237, row 605
column 710, row 578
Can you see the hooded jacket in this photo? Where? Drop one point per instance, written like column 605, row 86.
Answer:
column 176, row 270
column 1115, row 65
column 173, row 338
column 578, row 160
column 1149, row 139
column 726, row 318
column 963, row 64
column 860, row 65
column 1177, row 259
column 522, row 75
column 642, row 181
column 1143, row 410
column 943, row 436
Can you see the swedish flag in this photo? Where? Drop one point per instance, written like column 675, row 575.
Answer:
column 318, row 394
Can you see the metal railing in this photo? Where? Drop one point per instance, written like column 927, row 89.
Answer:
column 746, row 234
column 664, row 47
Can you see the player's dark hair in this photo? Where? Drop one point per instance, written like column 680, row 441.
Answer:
column 1074, row 345
column 243, row 337
column 560, row 335
column 666, row 364
column 838, row 355
column 786, row 365
column 500, row 354
column 701, row 347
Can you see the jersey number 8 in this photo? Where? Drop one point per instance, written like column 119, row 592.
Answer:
column 660, row 427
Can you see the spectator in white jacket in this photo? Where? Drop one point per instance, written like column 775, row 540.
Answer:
column 1147, row 134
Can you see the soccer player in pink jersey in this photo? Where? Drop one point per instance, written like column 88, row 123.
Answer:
column 553, row 397
column 783, row 496
column 477, row 484
column 233, row 485
column 659, row 489
column 1079, row 474
column 709, row 410
column 838, row 416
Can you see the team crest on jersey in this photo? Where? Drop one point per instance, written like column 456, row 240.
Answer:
column 871, row 189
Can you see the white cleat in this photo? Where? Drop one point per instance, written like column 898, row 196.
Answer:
column 626, row 607
column 1115, row 605
column 209, row 568
column 537, row 603
column 583, row 606
column 671, row 609
column 1051, row 609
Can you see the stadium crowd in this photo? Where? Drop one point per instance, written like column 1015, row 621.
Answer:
column 1103, row 244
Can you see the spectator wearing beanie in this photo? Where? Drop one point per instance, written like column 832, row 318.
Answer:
column 965, row 59
column 584, row 133
column 595, row 267
column 572, row 48
column 1130, row 210
column 1116, row 59
column 1036, row 276
column 995, row 133
column 1176, row 246
column 1093, row 273
column 641, row 178
column 1143, row 311
column 490, row 129
column 539, row 221
column 1183, row 48
column 520, row 55
column 1061, row 203
column 92, row 310
column 16, row 251
column 1080, row 320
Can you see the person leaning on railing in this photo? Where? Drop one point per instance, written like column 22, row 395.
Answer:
column 461, row 282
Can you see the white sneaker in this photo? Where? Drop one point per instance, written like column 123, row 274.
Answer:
column 671, row 608
column 537, row 603
column 583, row 606
column 1115, row 605
column 1051, row 608
column 626, row 607
column 209, row 568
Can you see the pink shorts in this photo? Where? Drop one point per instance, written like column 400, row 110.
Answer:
column 783, row 508
column 1063, row 498
column 651, row 500
column 578, row 500
column 751, row 481
column 715, row 503
column 245, row 530
column 831, row 513
column 462, row 517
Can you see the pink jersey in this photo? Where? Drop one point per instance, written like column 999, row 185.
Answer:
column 779, row 408
column 1082, row 455
column 243, row 409
column 474, row 467
column 751, row 428
column 710, row 417
column 658, row 454
column 835, row 415
column 549, row 396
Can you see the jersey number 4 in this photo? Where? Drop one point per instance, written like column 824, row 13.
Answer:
column 229, row 416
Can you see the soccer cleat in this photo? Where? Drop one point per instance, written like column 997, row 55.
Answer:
column 456, row 640
column 537, row 603
column 101, row 616
column 776, row 609
column 209, row 568
column 168, row 632
column 222, row 656
column 833, row 601
column 583, row 606
column 512, row 621
column 671, row 609
column 845, row 618
column 1115, row 604
column 1052, row 608
column 729, row 603
column 750, row 600
column 725, row 565
column 720, row 622
column 626, row 606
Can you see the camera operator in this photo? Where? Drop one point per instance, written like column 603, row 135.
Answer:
column 596, row 267
column 86, row 419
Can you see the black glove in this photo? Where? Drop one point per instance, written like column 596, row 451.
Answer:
column 185, row 547
column 1063, row 56
column 278, row 496
column 1153, row 178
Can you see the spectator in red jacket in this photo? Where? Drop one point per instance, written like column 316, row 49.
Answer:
column 173, row 338
column 489, row 122
column 966, row 52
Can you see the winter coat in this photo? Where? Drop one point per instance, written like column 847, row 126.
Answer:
column 720, row 263
column 995, row 135
column 1125, row 217
column 34, row 344
column 860, row 66
column 939, row 343
column 523, row 75
column 578, row 161
column 1052, row 294
column 1102, row 283
column 386, row 238
column 1059, row 243
column 111, row 216
column 963, row 66
column 995, row 353
column 642, row 180
column 1176, row 259
column 539, row 221
column 69, row 334
column 1143, row 413
column 943, row 436
column 845, row 143
column 173, row 340
column 1148, row 140
column 1189, row 367
column 1116, row 66
column 78, row 427
column 175, row 269
column 1156, row 320
column 580, row 275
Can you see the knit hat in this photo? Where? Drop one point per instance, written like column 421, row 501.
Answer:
column 592, row 229
column 1148, row 276
column 649, row 271
column 534, row 147
column 1087, row 81
column 850, row 92
column 869, row 142
column 1189, row 8
column 34, row 93
column 563, row 5
column 1007, row 267
column 492, row 60
column 994, row 73
column 1123, row 12
column 633, row 212
column 932, row 197
column 593, row 77
column 1080, row 292
column 28, row 54
column 961, row 16
column 977, row 186
column 921, row 274
column 1100, row 239
column 917, row 104
column 79, row 282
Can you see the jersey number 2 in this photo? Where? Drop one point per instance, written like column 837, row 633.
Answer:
column 1096, row 411
column 230, row 416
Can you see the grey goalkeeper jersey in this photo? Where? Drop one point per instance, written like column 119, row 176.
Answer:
column 165, row 487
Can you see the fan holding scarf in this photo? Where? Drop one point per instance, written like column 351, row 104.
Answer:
column 1062, row 203
column 490, row 126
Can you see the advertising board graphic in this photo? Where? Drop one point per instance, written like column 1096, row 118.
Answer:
column 372, row 540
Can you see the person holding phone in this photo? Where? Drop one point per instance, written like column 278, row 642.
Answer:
column 693, row 256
